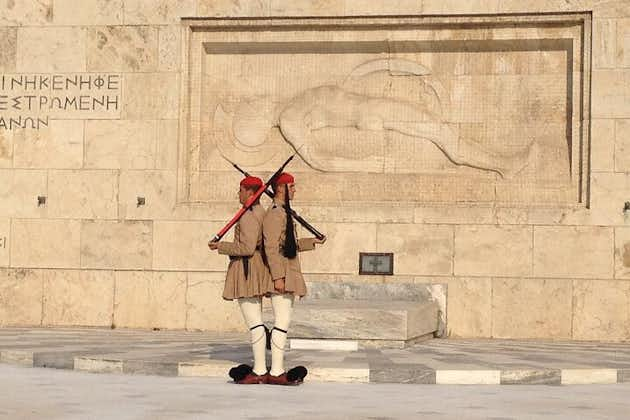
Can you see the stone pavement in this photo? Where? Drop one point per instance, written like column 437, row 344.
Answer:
column 53, row 394
column 439, row 361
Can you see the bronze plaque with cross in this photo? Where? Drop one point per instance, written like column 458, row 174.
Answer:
column 376, row 263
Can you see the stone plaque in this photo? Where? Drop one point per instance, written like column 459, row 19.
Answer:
column 376, row 263
column 485, row 109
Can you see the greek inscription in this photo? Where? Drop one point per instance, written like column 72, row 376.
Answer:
column 26, row 100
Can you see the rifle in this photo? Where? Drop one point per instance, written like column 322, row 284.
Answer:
column 250, row 202
column 296, row 216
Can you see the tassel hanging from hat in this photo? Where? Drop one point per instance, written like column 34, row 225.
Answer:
column 290, row 245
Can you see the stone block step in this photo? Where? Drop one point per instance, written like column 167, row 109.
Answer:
column 372, row 322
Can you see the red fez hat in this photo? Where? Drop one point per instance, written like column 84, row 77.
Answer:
column 285, row 178
column 251, row 181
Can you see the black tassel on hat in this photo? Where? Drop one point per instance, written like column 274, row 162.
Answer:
column 290, row 246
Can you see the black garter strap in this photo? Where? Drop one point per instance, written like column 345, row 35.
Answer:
column 259, row 325
column 280, row 329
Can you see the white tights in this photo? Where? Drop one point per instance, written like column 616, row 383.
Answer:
column 252, row 313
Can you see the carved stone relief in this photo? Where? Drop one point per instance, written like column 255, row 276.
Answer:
column 494, row 116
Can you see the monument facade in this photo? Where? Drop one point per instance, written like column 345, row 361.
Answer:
column 483, row 143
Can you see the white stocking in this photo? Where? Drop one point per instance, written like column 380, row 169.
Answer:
column 282, row 307
column 252, row 313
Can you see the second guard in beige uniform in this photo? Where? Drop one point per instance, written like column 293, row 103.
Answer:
column 282, row 249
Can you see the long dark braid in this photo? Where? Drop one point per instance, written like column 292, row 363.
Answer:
column 290, row 246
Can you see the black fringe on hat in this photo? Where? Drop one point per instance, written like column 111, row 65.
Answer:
column 290, row 246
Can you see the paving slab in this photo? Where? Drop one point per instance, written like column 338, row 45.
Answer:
column 206, row 354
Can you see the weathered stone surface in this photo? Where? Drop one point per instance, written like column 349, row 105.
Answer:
column 454, row 6
column 382, row 7
column 169, row 53
column 6, row 149
column 233, row 8
column 493, row 250
column 460, row 215
column 98, row 365
column 363, row 319
column 622, row 145
column 184, row 246
column 205, row 368
column 151, row 95
column 17, row 357
column 323, row 344
column 530, row 377
column 469, row 306
column 57, row 146
column 122, row 48
column 206, row 308
column 573, row 252
column 88, row 12
column 623, row 42
column 150, row 299
column 20, row 297
column 44, row 50
column 610, row 93
column 402, row 373
column 167, row 146
column 78, row 298
column 5, row 241
column 604, row 43
column 531, row 308
column 600, row 310
column 603, row 145
column 45, row 243
column 158, row 188
column 418, row 249
column 339, row 372
column 39, row 12
column 306, row 8
column 115, row 244
column 8, row 46
column 608, row 195
column 340, row 253
column 467, row 377
column 19, row 190
column 158, row 12
column 622, row 253
column 588, row 376
column 124, row 144
column 611, row 9
column 150, row 367
column 85, row 194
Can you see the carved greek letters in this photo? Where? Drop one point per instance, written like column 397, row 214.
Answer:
column 29, row 101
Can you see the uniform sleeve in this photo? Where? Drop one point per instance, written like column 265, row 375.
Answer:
column 306, row 244
column 245, row 244
column 272, row 230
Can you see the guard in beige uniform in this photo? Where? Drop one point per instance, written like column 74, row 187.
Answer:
column 281, row 249
column 248, row 278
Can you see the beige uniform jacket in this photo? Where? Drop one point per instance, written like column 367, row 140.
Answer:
column 274, row 227
column 247, row 244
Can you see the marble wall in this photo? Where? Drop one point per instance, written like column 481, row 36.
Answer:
column 503, row 172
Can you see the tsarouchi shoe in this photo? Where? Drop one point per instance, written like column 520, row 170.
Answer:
column 294, row 376
column 252, row 378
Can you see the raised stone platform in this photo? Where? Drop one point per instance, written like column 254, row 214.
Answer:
column 369, row 321
column 179, row 353
column 372, row 315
